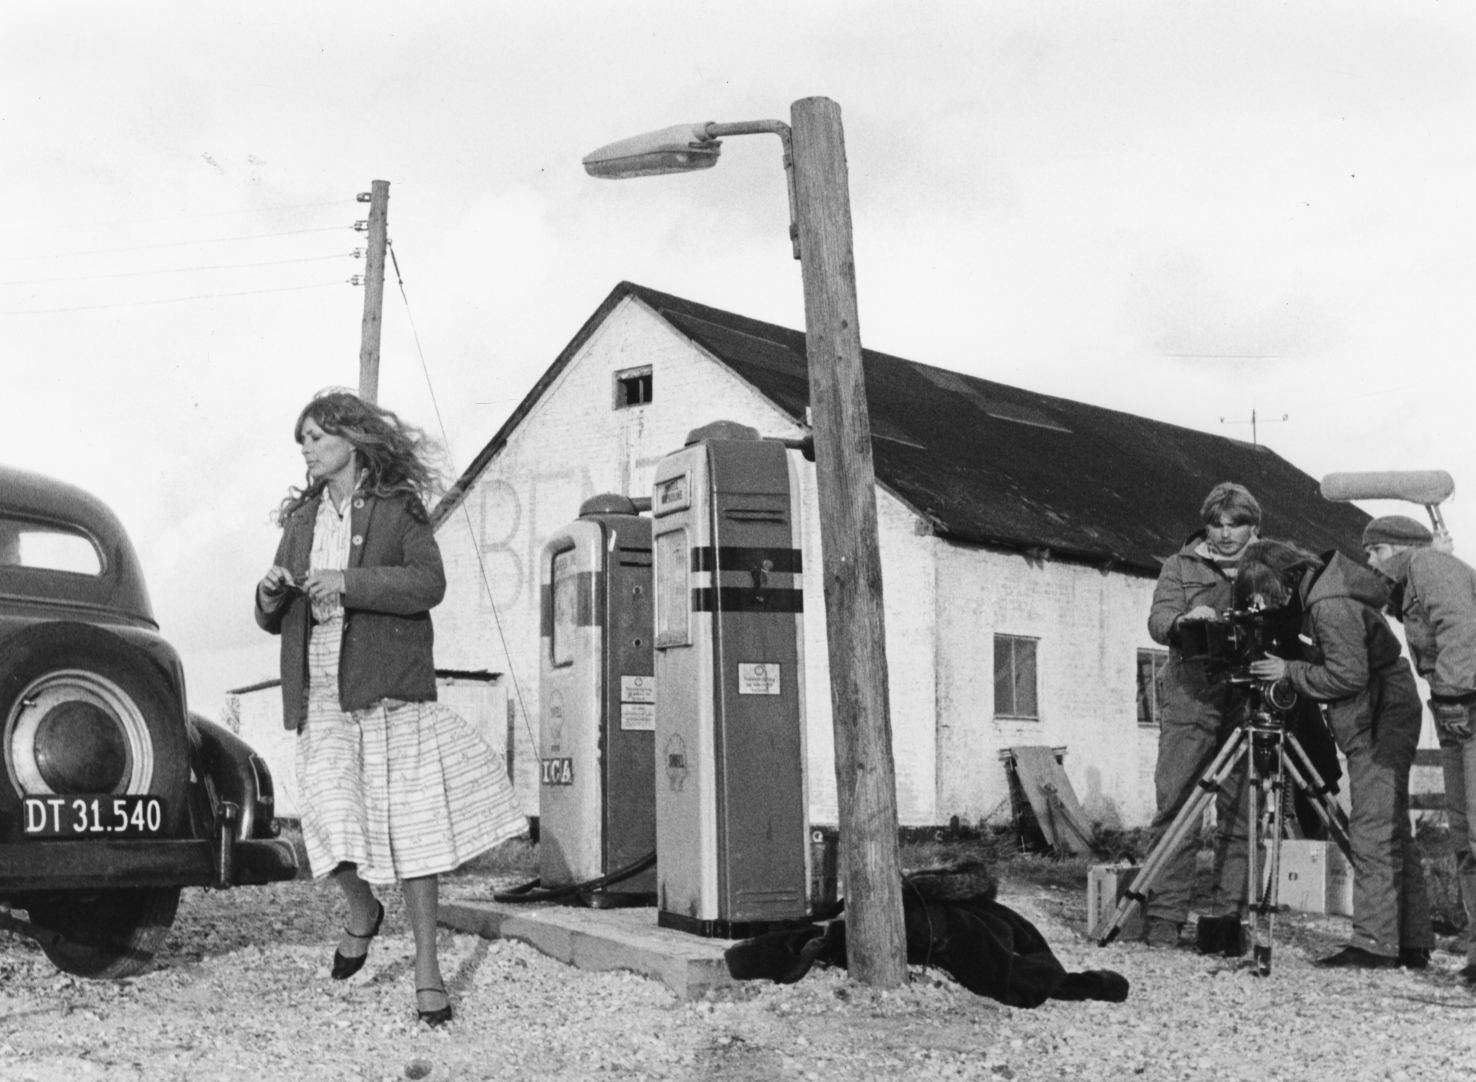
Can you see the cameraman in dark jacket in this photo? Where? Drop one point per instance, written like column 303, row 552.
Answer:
column 1197, row 712
column 1351, row 662
column 1435, row 597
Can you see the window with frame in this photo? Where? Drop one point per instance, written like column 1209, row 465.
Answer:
column 633, row 387
column 1151, row 665
column 1014, row 677
column 43, row 547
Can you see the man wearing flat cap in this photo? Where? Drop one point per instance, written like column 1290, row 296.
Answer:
column 1435, row 596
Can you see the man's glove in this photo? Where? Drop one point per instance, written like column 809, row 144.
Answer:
column 1452, row 723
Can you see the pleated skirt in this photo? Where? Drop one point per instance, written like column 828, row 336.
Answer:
column 402, row 789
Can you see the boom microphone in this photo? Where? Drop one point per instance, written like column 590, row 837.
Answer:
column 1417, row 486
column 1428, row 487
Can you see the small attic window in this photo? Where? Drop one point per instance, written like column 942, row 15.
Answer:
column 633, row 387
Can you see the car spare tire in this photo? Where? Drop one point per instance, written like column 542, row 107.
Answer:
column 83, row 711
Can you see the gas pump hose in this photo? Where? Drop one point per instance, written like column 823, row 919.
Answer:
column 528, row 892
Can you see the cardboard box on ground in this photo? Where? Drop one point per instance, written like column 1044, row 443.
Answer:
column 1315, row 877
column 1106, row 884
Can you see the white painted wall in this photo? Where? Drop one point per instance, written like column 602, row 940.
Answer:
column 1090, row 625
column 907, row 593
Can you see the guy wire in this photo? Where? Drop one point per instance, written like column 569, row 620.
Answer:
column 476, row 547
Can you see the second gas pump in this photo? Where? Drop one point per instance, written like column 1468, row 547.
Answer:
column 597, row 703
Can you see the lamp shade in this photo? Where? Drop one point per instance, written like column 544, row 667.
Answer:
column 681, row 149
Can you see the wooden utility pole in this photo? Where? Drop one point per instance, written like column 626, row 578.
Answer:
column 864, row 773
column 378, row 200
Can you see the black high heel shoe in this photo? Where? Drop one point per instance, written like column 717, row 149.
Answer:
column 437, row 1017
column 344, row 968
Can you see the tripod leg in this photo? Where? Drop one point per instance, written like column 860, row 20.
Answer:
column 1185, row 821
column 1252, row 848
column 1333, row 817
column 1264, row 912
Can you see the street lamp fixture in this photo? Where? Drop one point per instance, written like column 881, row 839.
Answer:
column 685, row 148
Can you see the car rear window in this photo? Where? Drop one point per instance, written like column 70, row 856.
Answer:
column 46, row 547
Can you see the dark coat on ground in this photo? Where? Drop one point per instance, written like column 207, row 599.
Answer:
column 393, row 579
column 954, row 923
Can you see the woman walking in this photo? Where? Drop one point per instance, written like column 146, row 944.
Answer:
column 394, row 786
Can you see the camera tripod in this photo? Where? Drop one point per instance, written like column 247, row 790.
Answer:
column 1272, row 755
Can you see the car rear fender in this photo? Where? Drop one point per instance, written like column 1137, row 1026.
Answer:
column 238, row 775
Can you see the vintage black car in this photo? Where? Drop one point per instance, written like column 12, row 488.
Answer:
column 114, row 796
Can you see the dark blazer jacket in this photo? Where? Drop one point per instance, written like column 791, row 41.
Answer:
column 393, row 579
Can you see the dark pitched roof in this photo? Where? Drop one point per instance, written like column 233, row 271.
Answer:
column 992, row 464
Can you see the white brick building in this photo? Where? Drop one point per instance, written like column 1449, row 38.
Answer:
column 1020, row 540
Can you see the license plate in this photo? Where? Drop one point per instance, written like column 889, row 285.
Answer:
column 93, row 816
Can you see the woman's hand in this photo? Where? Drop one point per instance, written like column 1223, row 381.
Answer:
column 1268, row 668
column 324, row 586
column 1200, row 612
column 272, row 587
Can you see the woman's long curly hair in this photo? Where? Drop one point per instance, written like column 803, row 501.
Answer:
column 393, row 457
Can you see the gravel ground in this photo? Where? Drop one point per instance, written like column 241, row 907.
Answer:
column 242, row 990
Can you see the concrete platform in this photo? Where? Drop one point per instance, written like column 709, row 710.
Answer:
column 600, row 939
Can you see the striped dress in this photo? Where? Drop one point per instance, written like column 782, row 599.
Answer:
column 402, row 789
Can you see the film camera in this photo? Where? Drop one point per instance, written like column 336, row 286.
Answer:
column 1227, row 645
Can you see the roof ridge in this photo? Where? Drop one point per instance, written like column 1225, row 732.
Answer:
column 989, row 463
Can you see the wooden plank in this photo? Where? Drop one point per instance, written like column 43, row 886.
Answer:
column 1053, row 800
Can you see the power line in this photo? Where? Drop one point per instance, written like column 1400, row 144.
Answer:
column 175, row 270
column 213, row 214
column 175, row 244
column 169, row 300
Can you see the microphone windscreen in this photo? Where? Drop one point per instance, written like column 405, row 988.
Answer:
column 1416, row 486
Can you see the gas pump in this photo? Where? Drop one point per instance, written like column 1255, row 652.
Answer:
column 731, row 807
column 597, row 694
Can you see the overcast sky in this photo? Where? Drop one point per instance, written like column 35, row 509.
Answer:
column 1187, row 211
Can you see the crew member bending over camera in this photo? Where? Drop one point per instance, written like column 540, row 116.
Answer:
column 1435, row 596
column 1198, row 711
column 1352, row 663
